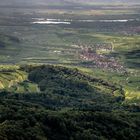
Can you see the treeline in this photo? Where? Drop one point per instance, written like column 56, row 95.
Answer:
column 31, row 121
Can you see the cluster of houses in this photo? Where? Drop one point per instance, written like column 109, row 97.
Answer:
column 101, row 61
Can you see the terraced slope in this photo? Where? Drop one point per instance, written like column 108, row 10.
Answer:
column 10, row 75
column 13, row 79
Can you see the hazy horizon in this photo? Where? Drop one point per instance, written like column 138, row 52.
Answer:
column 45, row 2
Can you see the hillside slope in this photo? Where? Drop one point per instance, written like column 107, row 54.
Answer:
column 70, row 105
column 64, row 86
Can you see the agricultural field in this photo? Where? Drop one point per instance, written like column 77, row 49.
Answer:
column 58, row 36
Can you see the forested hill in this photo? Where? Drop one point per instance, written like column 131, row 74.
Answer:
column 70, row 105
column 63, row 87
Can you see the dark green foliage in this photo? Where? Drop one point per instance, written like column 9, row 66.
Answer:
column 69, row 107
column 26, row 121
column 65, row 77
column 70, row 87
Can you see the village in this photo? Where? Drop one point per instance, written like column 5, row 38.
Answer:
column 95, row 53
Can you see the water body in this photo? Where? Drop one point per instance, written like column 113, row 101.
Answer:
column 124, row 20
column 68, row 21
column 50, row 21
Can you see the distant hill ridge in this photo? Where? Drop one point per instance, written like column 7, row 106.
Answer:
column 46, row 2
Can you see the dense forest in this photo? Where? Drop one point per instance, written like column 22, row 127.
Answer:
column 70, row 106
